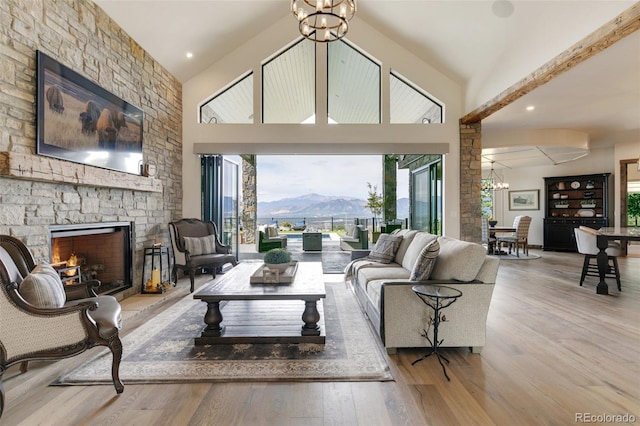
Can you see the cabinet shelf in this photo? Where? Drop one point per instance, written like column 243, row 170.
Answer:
column 560, row 221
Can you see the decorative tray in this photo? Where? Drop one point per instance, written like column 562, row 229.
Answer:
column 265, row 276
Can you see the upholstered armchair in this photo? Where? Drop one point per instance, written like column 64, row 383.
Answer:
column 267, row 238
column 357, row 239
column 196, row 246
column 40, row 320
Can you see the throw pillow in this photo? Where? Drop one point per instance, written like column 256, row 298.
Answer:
column 200, row 245
column 43, row 288
column 385, row 249
column 426, row 260
column 356, row 232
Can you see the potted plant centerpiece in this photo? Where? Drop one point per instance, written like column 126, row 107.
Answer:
column 277, row 259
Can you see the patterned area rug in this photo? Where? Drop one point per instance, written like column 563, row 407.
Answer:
column 162, row 351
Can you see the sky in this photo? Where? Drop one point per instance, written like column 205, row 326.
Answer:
column 289, row 176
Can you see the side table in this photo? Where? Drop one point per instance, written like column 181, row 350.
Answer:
column 156, row 251
column 437, row 297
column 312, row 241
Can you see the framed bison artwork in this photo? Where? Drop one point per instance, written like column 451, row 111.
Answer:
column 79, row 121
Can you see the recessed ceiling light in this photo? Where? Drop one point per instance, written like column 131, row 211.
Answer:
column 530, row 108
column 189, row 55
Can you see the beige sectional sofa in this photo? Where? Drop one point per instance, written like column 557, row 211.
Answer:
column 399, row 316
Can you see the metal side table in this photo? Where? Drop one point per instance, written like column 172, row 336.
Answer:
column 437, row 297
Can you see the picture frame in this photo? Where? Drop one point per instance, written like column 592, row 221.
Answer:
column 527, row 199
column 79, row 121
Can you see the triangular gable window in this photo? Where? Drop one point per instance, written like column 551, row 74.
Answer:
column 233, row 104
column 409, row 104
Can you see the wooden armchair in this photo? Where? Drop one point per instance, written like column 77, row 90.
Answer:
column 40, row 320
column 195, row 246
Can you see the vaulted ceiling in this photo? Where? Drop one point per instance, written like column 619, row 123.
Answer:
column 486, row 45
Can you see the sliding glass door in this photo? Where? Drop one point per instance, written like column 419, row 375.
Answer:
column 221, row 197
column 426, row 198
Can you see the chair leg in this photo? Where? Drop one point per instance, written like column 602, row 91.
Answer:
column 24, row 366
column 617, row 272
column 585, row 267
column 115, row 345
column 192, row 278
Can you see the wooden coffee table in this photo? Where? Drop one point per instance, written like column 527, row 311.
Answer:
column 264, row 313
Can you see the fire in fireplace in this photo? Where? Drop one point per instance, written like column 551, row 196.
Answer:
column 102, row 251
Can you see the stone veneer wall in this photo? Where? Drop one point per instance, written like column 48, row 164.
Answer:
column 80, row 35
column 470, row 180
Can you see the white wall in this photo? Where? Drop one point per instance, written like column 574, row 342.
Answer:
column 248, row 138
column 598, row 161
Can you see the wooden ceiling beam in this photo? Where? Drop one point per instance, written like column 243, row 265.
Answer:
column 624, row 24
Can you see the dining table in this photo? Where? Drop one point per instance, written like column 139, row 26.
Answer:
column 603, row 236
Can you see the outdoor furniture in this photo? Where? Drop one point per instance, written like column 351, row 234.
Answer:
column 267, row 238
column 312, row 241
column 358, row 238
column 519, row 238
column 299, row 226
column 43, row 319
column 196, row 245
column 587, row 242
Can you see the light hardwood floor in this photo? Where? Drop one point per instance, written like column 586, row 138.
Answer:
column 554, row 350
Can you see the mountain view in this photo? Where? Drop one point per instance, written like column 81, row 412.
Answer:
column 316, row 205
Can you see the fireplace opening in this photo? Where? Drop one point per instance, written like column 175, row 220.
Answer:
column 101, row 251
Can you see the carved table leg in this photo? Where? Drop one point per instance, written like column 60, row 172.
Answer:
column 213, row 318
column 310, row 317
column 603, row 264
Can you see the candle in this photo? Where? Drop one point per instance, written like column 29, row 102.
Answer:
column 155, row 277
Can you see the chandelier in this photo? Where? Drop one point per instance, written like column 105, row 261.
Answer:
column 323, row 21
column 493, row 181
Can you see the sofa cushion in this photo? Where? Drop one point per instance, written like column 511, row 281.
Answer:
column 43, row 288
column 380, row 271
column 273, row 231
column 458, row 260
column 420, row 241
column 385, row 249
column 407, row 236
column 426, row 261
column 200, row 245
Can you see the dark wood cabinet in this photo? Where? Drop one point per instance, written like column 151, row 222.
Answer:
column 573, row 201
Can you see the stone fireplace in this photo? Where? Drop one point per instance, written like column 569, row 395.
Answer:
column 102, row 251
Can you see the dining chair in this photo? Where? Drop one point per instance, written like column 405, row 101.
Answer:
column 518, row 238
column 487, row 238
column 586, row 240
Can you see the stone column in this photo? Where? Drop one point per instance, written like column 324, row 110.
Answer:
column 249, row 199
column 470, row 181
column 389, row 191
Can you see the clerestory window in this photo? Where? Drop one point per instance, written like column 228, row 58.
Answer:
column 409, row 104
column 289, row 85
column 353, row 81
column 233, row 104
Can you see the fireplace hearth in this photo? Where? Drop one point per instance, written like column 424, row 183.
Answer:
column 103, row 251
